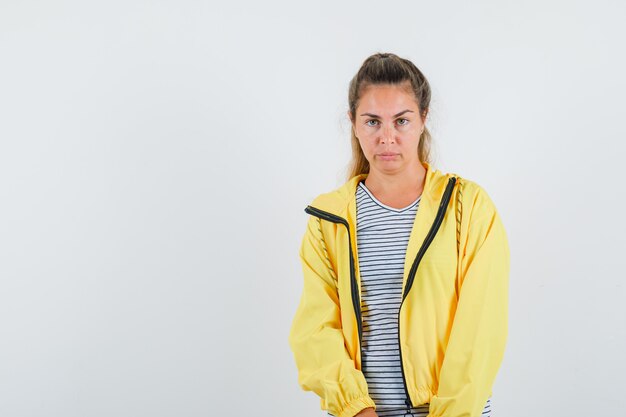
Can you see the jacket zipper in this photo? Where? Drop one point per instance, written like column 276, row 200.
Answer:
column 356, row 299
column 418, row 258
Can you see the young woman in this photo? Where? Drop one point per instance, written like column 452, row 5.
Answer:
column 404, row 309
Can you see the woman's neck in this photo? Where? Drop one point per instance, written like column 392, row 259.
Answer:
column 398, row 189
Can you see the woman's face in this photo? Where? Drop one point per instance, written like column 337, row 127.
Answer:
column 388, row 126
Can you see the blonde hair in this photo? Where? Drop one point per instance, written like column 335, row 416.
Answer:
column 387, row 68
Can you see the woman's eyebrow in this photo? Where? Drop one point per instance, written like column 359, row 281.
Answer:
column 395, row 115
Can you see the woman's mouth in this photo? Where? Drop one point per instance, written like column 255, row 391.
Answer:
column 387, row 156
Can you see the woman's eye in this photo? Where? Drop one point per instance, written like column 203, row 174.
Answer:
column 367, row 123
column 404, row 121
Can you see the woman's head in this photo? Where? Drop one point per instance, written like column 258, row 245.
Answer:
column 389, row 100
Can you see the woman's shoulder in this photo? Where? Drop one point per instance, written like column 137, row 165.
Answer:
column 473, row 194
column 337, row 199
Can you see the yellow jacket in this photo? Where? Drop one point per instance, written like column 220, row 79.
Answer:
column 453, row 319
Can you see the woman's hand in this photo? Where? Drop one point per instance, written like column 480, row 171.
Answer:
column 367, row 412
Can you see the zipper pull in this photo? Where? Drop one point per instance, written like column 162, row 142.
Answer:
column 408, row 408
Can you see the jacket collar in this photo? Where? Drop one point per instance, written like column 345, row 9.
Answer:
column 337, row 201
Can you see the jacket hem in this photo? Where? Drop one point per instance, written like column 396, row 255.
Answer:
column 424, row 394
column 355, row 406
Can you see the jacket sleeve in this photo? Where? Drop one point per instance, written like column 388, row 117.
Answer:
column 477, row 340
column 316, row 338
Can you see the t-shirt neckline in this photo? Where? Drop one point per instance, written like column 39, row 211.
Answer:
column 364, row 187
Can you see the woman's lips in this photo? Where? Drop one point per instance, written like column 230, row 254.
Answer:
column 388, row 156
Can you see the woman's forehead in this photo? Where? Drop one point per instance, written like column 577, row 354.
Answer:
column 386, row 98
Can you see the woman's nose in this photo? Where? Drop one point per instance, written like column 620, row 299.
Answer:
column 387, row 134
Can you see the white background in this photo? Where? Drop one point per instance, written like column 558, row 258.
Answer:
column 156, row 158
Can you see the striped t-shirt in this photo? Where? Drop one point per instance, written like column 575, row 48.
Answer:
column 382, row 237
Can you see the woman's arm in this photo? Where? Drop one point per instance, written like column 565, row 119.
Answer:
column 316, row 337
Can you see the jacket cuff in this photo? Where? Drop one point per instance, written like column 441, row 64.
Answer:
column 356, row 405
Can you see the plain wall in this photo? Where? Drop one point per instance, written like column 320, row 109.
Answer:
column 156, row 158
